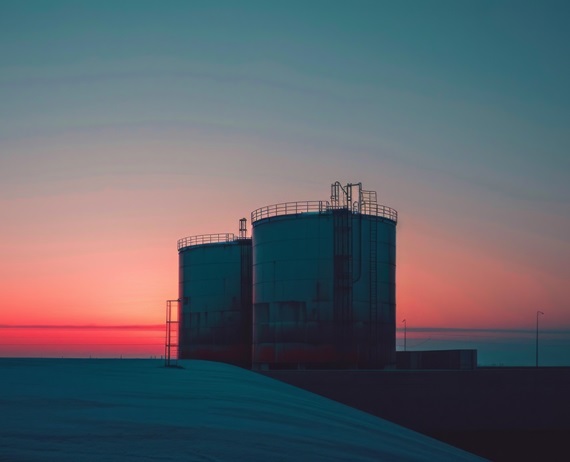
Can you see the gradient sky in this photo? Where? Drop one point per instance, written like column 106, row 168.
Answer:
column 125, row 126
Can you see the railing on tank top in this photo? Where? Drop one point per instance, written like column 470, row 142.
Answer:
column 294, row 208
column 379, row 211
column 205, row 239
column 289, row 208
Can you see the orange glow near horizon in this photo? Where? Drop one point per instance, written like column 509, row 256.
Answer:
column 99, row 280
column 106, row 254
column 86, row 341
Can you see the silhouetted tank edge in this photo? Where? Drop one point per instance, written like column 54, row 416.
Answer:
column 215, row 294
column 324, row 284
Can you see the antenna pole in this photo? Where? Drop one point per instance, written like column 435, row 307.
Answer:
column 537, row 313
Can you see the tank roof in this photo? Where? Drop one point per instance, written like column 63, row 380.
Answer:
column 348, row 197
column 295, row 208
column 202, row 239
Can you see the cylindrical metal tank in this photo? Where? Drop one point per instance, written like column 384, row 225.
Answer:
column 215, row 298
column 324, row 284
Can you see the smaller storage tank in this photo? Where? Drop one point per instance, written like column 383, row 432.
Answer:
column 215, row 297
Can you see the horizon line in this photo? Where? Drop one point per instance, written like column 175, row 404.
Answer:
column 82, row 326
column 518, row 330
column 495, row 330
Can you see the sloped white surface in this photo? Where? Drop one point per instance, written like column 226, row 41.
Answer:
column 117, row 410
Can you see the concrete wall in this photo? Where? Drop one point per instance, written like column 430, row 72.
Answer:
column 437, row 359
column 499, row 413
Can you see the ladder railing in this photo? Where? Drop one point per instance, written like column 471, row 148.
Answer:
column 374, row 333
column 171, row 341
column 246, row 280
column 342, row 286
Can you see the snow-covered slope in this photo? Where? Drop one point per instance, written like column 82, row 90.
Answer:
column 117, row 410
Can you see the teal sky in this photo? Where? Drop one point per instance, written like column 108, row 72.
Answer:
column 125, row 125
column 477, row 90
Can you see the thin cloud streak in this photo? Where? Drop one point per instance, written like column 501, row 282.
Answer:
column 484, row 330
column 84, row 326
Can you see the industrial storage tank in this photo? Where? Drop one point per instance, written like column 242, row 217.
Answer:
column 215, row 297
column 324, row 283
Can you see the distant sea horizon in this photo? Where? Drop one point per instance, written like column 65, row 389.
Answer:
column 495, row 347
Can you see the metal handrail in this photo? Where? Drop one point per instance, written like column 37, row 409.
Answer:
column 205, row 239
column 293, row 208
column 380, row 211
column 289, row 208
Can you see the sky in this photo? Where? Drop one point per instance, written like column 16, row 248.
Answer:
column 125, row 126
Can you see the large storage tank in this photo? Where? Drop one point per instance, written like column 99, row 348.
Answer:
column 215, row 298
column 324, row 284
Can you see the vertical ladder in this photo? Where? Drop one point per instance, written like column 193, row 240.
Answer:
column 243, row 228
column 246, row 301
column 342, row 286
column 369, row 202
column 374, row 332
column 171, row 342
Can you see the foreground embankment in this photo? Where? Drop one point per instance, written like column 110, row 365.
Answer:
column 132, row 410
